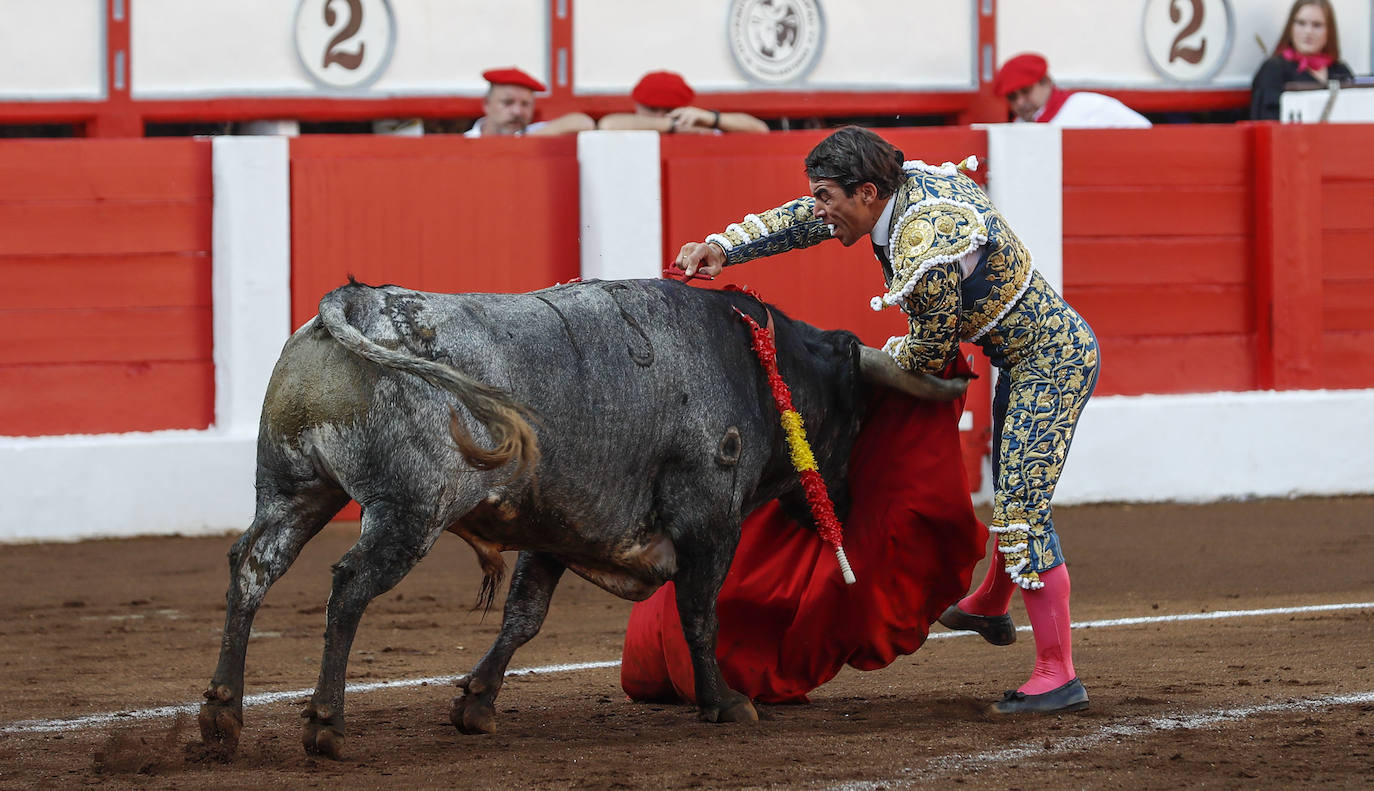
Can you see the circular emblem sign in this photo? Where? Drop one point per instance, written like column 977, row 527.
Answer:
column 775, row 41
column 344, row 43
column 1188, row 40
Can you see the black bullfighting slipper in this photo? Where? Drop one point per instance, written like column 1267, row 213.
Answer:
column 1070, row 697
column 996, row 629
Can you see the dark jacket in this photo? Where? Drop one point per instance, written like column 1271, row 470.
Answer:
column 1274, row 74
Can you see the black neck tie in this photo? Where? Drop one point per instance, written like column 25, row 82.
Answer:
column 880, row 251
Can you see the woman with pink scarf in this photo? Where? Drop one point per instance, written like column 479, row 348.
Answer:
column 1309, row 51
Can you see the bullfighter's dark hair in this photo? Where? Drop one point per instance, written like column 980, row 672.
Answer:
column 853, row 156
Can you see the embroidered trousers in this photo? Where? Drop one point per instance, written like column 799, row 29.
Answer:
column 1047, row 361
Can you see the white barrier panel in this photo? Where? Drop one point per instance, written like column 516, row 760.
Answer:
column 1220, row 446
column 252, row 273
column 621, row 205
column 53, row 50
column 373, row 48
column 74, row 487
column 1349, row 105
column 738, row 45
column 1026, row 183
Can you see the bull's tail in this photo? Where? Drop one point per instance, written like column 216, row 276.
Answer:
column 507, row 420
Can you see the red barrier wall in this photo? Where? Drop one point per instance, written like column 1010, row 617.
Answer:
column 710, row 182
column 1343, row 157
column 435, row 214
column 105, row 317
column 1223, row 257
column 1157, row 255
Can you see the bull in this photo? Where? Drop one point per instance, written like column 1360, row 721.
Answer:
column 618, row 429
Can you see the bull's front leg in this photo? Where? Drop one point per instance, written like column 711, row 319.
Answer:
column 531, row 587
column 701, row 573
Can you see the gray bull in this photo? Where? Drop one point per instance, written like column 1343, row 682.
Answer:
column 619, row 429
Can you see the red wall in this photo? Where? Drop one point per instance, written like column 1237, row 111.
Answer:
column 434, row 214
column 105, row 315
column 1223, row 257
column 1342, row 157
column 1158, row 255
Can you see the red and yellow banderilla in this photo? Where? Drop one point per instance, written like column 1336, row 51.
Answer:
column 822, row 509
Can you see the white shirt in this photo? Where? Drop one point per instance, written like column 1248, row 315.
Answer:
column 1085, row 110
column 476, row 130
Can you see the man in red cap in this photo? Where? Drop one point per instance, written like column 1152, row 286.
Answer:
column 663, row 103
column 1026, row 83
column 509, row 108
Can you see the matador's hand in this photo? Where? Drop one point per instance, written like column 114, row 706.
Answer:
column 707, row 257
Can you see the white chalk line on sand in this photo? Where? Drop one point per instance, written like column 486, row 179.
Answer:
column 111, row 717
column 106, row 718
column 959, row 763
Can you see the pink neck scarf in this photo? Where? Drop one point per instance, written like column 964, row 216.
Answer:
column 1313, row 63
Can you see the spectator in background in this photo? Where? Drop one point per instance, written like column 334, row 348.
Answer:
column 509, row 108
column 1309, row 51
column 1026, row 83
column 663, row 103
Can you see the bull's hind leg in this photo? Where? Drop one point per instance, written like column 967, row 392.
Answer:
column 394, row 538
column 702, row 565
column 531, row 587
column 284, row 522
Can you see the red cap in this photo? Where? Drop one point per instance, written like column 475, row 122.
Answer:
column 512, row 76
column 663, row 89
column 1020, row 72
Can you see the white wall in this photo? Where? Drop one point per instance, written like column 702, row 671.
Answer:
column 1219, row 446
column 52, row 50
column 250, row 47
column 1102, row 44
column 615, row 43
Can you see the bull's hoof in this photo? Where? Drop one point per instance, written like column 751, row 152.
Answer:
column 221, row 720
column 736, row 708
column 470, row 715
column 220, row 725
column 323, row 733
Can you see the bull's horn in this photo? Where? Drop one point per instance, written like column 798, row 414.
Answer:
column 878, row 368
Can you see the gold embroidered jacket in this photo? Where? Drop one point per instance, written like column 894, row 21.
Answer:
column 940, row 216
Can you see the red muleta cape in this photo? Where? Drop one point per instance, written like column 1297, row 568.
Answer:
column 788, row 623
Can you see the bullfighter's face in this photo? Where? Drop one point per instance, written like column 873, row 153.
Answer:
column 850, row 217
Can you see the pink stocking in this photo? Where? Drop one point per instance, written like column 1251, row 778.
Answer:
column 1048, row 609
column 994, row 595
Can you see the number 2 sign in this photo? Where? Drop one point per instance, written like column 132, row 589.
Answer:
column 344, row 43
column 1188, row 40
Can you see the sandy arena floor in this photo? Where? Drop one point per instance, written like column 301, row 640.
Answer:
column 95, row 637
